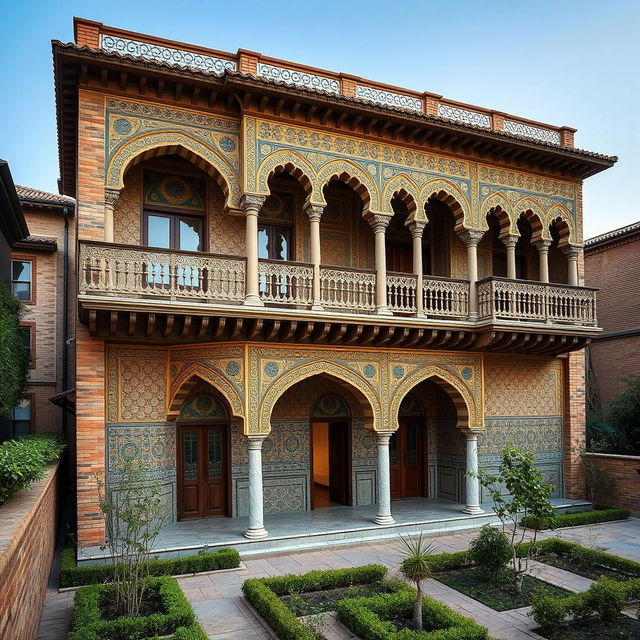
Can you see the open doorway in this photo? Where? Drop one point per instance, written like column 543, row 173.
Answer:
column 330, row 454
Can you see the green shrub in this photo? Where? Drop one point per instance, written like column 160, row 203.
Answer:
column 449, row 561
column 548, row 611
column 23, row 461
column 606, row 597
column 575, row 519
column 72, row 575
column 491, row 550
column 176, row 621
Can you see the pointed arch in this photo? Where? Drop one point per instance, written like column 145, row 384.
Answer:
column 189, row 377
column 560, row 218
column 531, row 210
column 356, row 177
column 404, row 188
column 297, row 166
column 449, row 193
column 349, row 378
column 498, row 204
column 158, row 143
column 469, row 416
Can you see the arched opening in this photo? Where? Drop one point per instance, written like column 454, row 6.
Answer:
column 407, row 451
column 526, row 252
column 492, row 252
column 399, row 243
column 558, row 267
column 446, row 255
column 203, row 454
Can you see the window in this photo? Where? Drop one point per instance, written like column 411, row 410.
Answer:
column 27, row 331
column 174, row 231
column 21, row 417
column 21, row 279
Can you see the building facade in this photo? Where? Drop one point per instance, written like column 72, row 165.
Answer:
column 298, row 288
column 612, row 265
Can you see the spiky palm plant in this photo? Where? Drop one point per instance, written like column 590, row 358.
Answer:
column 416, row 567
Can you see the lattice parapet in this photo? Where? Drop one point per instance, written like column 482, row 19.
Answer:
column 529, row 131
column 285, row 282
column 348, row 289
column 298, row 78
column 445, row 298
column 168, row 55
column 465, row 116
column 389, row 98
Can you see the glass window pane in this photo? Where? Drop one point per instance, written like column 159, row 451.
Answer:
column 190, row 446
column 215, row 454
column 21, row 271
column 22, row 290
column 190, row 234
column 22, row 411
column 26, row 337
column 158, row 232
column 263, row 243
column 282, row 244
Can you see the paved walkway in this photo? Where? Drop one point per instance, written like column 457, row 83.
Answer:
column 222, row 611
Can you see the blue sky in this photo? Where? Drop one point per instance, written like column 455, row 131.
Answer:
column 565, row 62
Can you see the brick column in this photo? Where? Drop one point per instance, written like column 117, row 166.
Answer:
column 574, row 425
column 90, row 428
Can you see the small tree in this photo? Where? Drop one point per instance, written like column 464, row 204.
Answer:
column 517, row 490
column 133, row 517
column 491, row 550
column 14, row 360
column 416, row 567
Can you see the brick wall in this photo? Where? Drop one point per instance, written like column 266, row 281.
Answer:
column 625, row 471
column 574, row 425
column 27, row 543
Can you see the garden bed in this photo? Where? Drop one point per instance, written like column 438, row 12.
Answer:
column 496, row 592
column 561, row 520
column 623, row 628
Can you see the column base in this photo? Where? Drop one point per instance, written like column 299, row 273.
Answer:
column 473, row 316
column 316, row 306
column 384, row 311
column 380, row 519
column 253, row 301
column 472, row 509
column 256, row 533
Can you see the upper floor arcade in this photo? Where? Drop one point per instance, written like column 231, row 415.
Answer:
column 224, row 195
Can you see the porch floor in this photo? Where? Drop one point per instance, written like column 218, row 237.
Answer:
column 337, row 525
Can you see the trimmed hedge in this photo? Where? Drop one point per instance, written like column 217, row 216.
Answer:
column 582, row 554
column 72, row 575
column 575, row 519
column 176, row 622
column 264, row 594
column 370, row 618
column 23, row 461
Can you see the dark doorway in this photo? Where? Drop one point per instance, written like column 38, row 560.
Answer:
column 407, row 452
column 331, row 463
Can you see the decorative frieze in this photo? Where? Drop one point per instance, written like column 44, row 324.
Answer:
column 529, row 131
column 464, row 115
column 389, row 98
column 298, row 78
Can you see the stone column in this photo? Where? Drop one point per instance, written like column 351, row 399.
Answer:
column 256, row 528
column 252, row 205
column 110, row 200
column 473, row 484
column 417, row 229
column 543, row 253
column 379, row 224
column 315, row 213
column 572, row 254
column 510, row 243
column 471, row 238
column 384, row 479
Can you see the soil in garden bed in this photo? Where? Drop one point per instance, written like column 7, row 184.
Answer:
column 313, row 602
column 581, row 568
column 497, row 593
column 623, row 628
column 151, row 604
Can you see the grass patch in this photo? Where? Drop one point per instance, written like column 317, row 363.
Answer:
column 623, row 628
column 497, row 592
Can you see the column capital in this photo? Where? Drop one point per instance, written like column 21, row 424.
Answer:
column 542, row 245
column 255, row 440
column 509, row 241
column 252, row 202
column 379, row 222
column 383, row 437
column 417, row 228
column 314, row 212
column 111, row 196
column 471, row 237
column 572, row 251
column 472, row 434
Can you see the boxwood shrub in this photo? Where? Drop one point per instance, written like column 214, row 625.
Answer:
column 371, row 618
column 72, row 575
column 176, row 621
column 575, row 519
column 23, row 461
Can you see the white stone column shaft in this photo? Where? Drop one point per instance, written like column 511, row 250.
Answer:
column 256, row 528
column 543, row 255
column 252, row 205
column 471, row 238
column 384, row 479
column 110, row 200
column 572, row 254
column 417, row 228
column 510, row 243
column 473, row 484
column 379, row 225
column 315, row 214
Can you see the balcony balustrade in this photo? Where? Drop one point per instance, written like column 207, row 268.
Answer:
column 126, row 271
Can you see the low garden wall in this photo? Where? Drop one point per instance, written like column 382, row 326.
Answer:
column 625, row 472
column 28, row 527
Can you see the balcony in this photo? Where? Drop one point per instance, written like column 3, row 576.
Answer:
column 164, row 282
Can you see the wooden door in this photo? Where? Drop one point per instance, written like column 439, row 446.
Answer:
column 339, row 462
column 399, row 257
column 202, row 471
column 406, row 459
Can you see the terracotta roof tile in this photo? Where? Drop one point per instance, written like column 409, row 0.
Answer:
column 615, row 234
column 28, row 194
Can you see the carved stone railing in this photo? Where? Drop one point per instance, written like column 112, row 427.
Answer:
column 283, row 282
column 401, row 292
column 120, row 270
column 527, row 301
column 445, row 297
column 347, row 289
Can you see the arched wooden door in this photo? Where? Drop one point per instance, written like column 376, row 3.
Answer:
column 407, row 452
column 203, row 458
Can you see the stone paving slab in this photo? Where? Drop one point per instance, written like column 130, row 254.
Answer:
column 225, row 615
